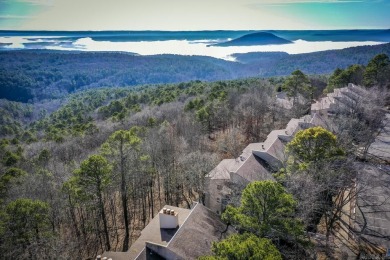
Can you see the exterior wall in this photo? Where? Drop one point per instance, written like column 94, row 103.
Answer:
column 238, row 179
column 216, row 191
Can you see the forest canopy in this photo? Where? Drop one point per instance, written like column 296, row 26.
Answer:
column 35, row 75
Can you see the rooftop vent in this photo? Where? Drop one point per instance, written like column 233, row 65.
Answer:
column 168, row 218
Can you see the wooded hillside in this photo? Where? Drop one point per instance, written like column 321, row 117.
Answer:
column 86, row 173
column 36, row 75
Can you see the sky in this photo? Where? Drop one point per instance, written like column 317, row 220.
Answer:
column 177, row 15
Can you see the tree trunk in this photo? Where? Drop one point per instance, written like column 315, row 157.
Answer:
column 103, row 215
column 124, row 201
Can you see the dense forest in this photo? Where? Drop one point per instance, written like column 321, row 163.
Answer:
column 170, row 135
column 324, row 62
column 85, row 173
column 26, row 75
column 38, row 74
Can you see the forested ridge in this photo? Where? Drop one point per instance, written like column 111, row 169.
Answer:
column 45, row 74
column 39, row 74
column 85, row 173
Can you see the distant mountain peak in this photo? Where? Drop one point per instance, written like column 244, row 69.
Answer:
column 258, row 38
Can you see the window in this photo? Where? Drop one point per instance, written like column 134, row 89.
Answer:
column 219, row 187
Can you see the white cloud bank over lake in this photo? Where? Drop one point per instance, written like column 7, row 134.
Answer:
column 179, row 47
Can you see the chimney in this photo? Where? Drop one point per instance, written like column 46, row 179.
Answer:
column 168, row 218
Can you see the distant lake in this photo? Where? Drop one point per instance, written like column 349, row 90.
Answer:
column 187, row 42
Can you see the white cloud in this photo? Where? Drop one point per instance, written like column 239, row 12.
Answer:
column 184, row 47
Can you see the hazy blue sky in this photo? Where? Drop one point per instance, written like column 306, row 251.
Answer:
column 193, row 14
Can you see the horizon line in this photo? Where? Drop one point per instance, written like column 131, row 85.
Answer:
column 207, row 30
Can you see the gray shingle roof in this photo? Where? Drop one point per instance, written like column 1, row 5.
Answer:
column 151, row 233
column 223, row 169
column 198, row 228
column 254, row 169
column 194, row 239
